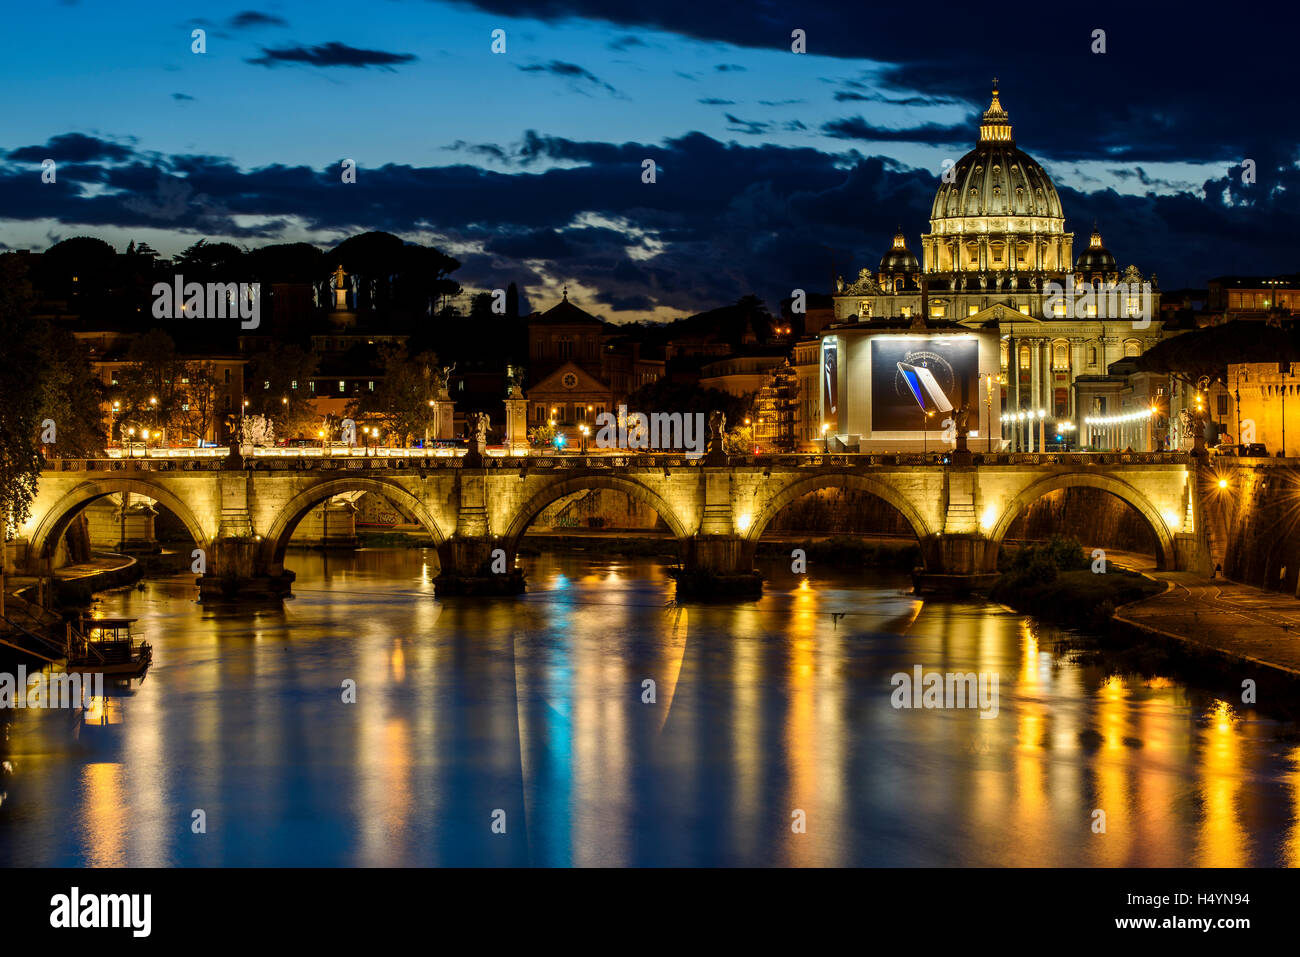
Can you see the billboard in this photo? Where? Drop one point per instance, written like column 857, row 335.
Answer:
column 830, row 383
column 913, row 375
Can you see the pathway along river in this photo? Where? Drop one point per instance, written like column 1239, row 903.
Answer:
column 533, row 707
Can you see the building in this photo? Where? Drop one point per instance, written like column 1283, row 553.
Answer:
column 1259, row 405
column 577, row 372
column 807, row 366
column 1264, row 299
column 998, row 257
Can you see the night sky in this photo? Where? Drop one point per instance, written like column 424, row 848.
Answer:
column 773, row 167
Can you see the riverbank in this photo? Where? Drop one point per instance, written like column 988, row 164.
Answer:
column 1216, row 634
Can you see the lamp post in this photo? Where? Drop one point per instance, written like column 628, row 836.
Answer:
column 583, row 430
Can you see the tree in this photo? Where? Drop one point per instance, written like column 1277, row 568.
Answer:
column 149, row 394
column 71, row 395
column 21, row 366
column 196, row 402
column 401, row 399
column 279, row 379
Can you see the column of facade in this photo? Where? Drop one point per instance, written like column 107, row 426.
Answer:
column 1034, row 376
column 1049, row 380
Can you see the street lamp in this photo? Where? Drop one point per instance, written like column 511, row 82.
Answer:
column 583, row 430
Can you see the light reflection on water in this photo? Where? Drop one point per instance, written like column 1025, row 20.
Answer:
column 533, row 707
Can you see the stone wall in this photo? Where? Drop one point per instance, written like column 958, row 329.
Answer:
column 1096, row 518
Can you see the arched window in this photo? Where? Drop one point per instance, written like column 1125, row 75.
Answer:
column 1092, row 355
column 1061, row 355
column 1132, row 348
column 1024, row 357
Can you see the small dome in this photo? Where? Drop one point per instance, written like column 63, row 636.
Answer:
column 899, row 259
column 1096, row 258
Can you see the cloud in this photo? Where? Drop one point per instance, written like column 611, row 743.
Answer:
column 729, row 68
column 714, row 101
column 569, row 71
column 73, row 148
column 181, row 97
column 330, row 55
column 249, row 19
column 856, row 128
column 724, row 219
column 626, row 43
column 748, row 127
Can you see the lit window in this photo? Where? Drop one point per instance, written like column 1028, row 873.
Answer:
column 266, row 383
column 971, row 310
column 371, row 385
column 294, row 384
column 1024, row 310
column 340, row 385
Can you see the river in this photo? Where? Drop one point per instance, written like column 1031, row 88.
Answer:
column 519, row 731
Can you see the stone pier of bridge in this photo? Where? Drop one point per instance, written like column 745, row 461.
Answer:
column 242, row 514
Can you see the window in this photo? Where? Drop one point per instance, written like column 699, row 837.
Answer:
column 1024, row 357
column 1092, row 355
column 971, row 310
column 1062, row 355
column 371, row 385
column 340, row 385
column 312, row 385
column 294, row 384
column 227, row 377
column 1132, row 348
column 1223, row 403
column 564, row 347
column 185, row 406
column 1024, row 310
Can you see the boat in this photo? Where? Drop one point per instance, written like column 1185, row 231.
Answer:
column 106, row 646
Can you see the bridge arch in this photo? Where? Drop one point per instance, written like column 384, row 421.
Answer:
column 280, row 531
column 1165, row 555
column 845, row 480
column 577, row 483
column 54, row 523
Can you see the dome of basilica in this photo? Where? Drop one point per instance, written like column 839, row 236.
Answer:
column 996, row 179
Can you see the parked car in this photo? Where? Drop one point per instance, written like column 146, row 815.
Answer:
column 1254, row 448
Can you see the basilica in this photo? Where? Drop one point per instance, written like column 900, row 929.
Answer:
column 997, row 263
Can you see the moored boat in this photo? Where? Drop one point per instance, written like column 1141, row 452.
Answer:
column 106, row 646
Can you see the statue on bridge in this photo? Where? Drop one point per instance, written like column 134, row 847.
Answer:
column 717, row 453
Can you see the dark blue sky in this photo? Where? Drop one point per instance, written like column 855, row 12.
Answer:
column 526, row 165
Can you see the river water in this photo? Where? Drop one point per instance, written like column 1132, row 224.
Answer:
column 771, row 739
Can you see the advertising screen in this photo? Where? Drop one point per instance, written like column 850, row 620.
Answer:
column 914, row 375
column 830, row 383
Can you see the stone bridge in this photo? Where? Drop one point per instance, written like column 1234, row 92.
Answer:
column 243, row 513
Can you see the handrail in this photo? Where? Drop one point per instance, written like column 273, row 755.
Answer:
column 630, row 459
